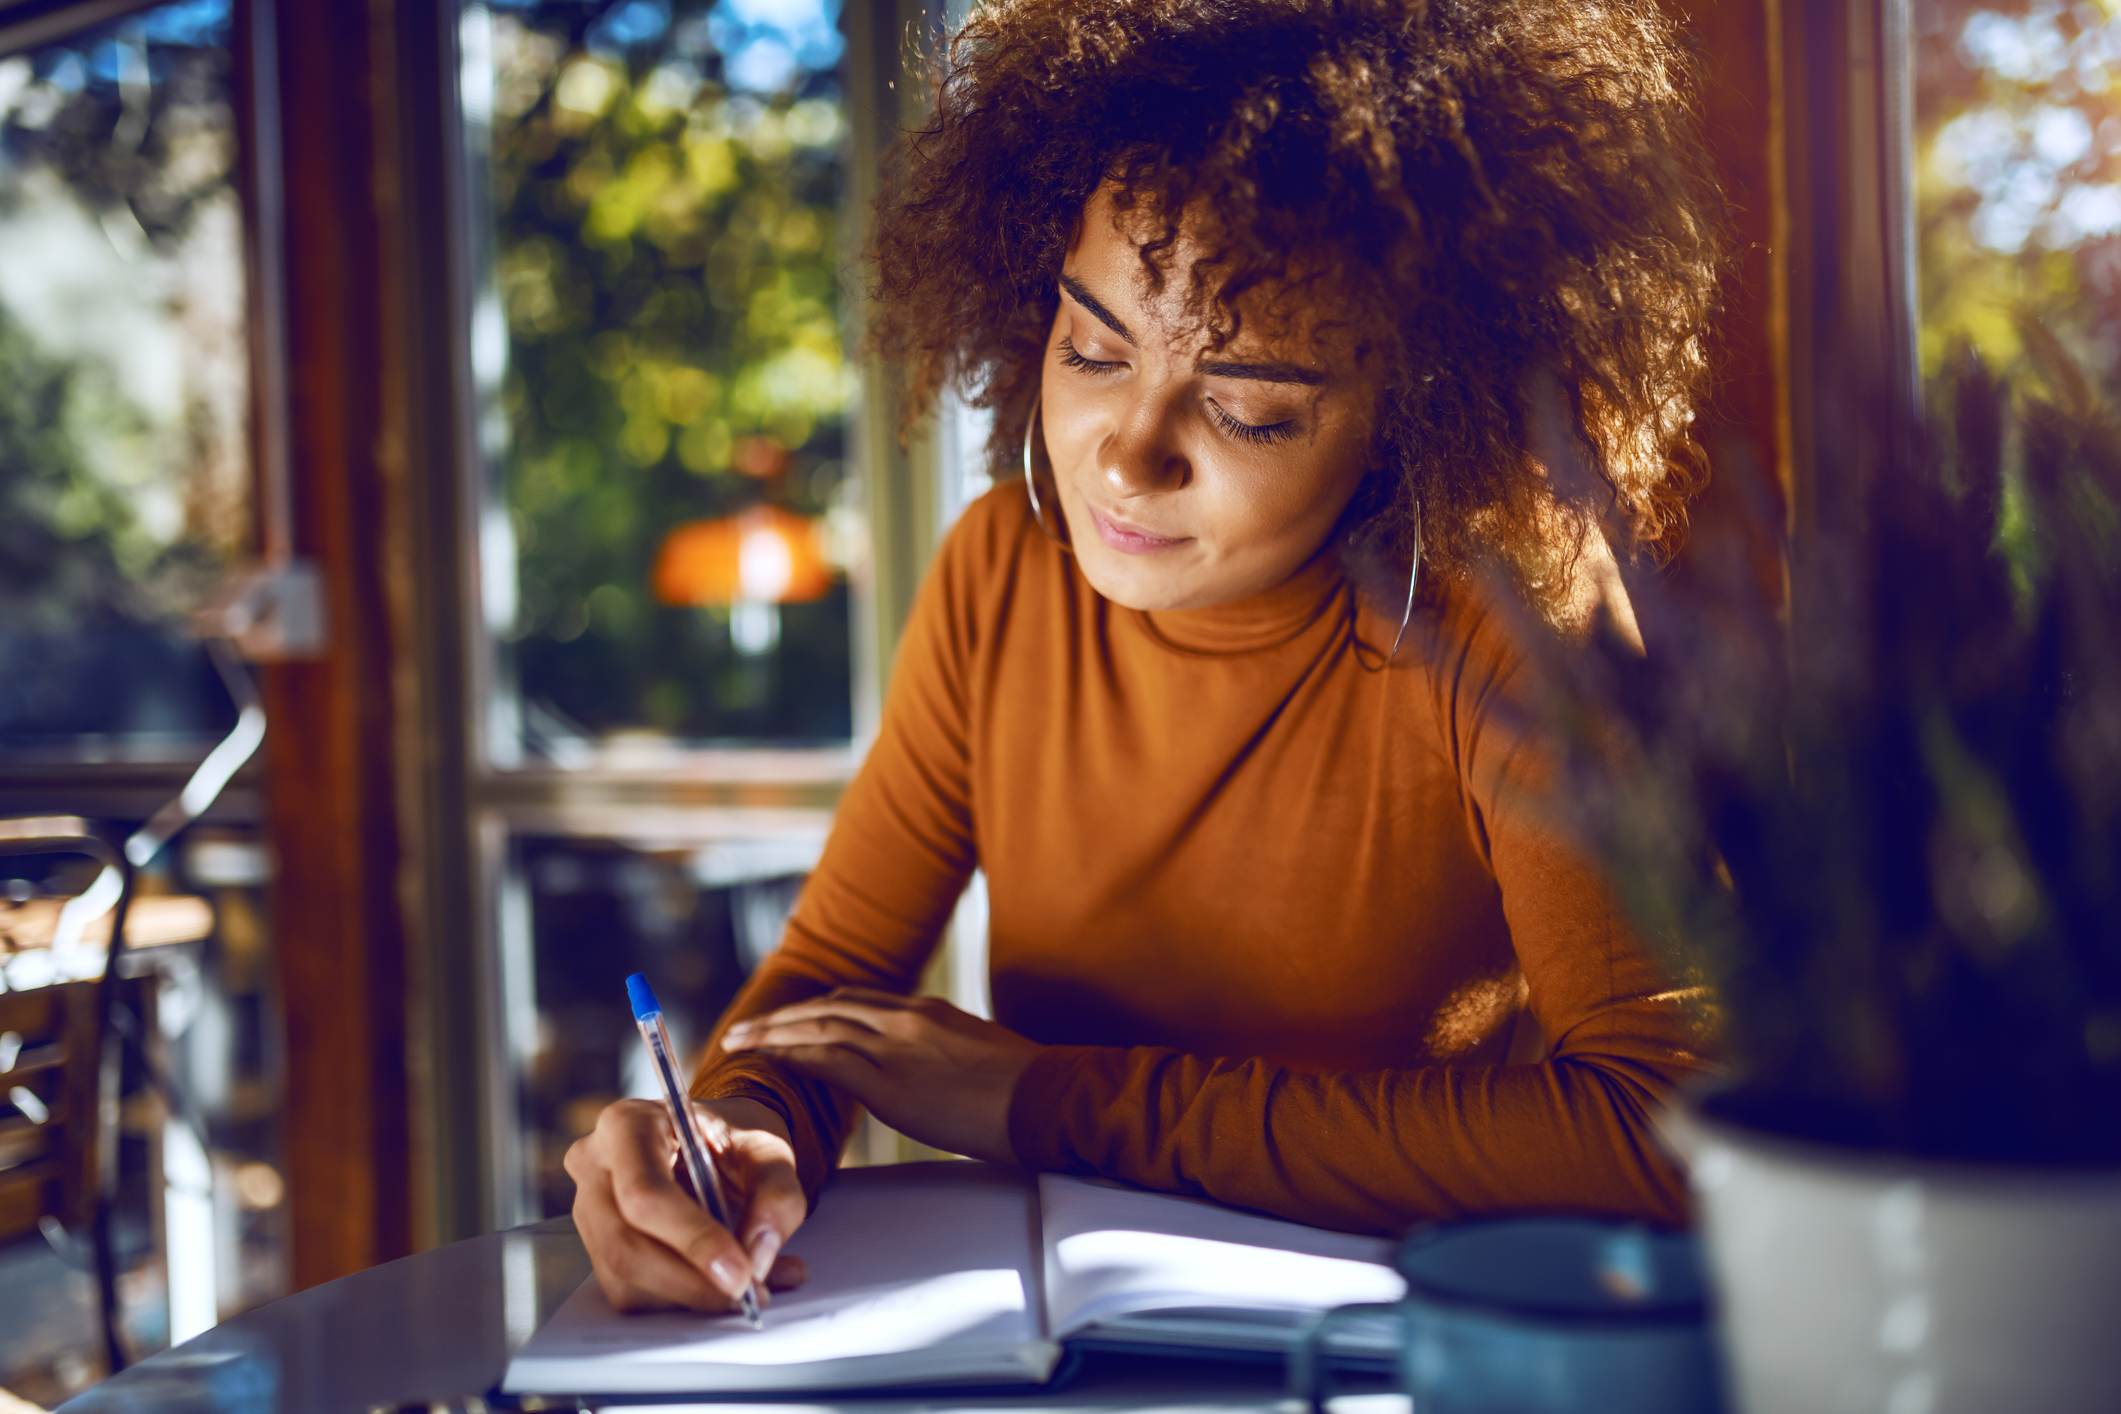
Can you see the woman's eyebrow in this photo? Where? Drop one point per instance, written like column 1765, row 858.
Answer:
column 1089, row 301
column 1215, row 368
column 1265, row 372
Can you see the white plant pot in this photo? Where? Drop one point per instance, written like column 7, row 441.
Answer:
column 1854, row 1281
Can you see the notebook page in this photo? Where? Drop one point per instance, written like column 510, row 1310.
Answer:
column 1115, row 1252
column 918, row 1273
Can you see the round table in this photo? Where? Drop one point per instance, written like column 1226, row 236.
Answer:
column 433, row 1329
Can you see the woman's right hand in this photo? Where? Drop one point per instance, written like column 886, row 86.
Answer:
column 652, row 1245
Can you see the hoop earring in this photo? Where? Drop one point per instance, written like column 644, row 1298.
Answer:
column 1413, row 577
column 1038, row 509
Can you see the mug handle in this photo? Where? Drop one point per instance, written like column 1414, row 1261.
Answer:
column 1310, row 1377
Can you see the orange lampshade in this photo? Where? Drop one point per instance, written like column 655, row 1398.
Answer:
column 766, row 555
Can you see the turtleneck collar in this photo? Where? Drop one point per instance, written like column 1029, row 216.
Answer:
column 1259, row 621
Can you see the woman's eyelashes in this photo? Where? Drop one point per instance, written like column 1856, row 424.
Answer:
column 1071, row 357
column 1249, row 431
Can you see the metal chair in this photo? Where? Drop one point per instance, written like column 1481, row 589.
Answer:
column 275, row 612
column 57, row 1169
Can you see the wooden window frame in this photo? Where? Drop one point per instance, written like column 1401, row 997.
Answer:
column 1846, row 236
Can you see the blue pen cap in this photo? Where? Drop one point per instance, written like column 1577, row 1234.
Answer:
column 642, row 996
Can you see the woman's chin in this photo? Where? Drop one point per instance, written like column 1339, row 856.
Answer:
column 1125, row 581
column 1141, row 582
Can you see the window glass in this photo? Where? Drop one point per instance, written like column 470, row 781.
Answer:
column 126, row 497
column 2018, row 179
column 124, row 473
column 695, row 917
column 657, row 338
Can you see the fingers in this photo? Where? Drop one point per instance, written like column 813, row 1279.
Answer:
column 645, row 1193
column 859, row 1006
column 774, row 1208
column 637, row 1273
column 809, row 1031
column 634, row 1271
column 651, row 1245
column 871, row 997
column 840, row 1065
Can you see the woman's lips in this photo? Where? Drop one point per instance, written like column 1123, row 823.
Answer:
column 1131, row 539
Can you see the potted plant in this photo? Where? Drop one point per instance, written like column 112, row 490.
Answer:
column 1884, row 827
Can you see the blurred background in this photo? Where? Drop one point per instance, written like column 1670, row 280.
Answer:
column 481, row 373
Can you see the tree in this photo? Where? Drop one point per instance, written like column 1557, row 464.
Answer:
column 116, row 512
column 666, row 187
column 2018, row 179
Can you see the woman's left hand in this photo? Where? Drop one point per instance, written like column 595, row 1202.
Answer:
column 933, row 1073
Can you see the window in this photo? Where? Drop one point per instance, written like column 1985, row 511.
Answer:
column 127, row 500
column 125, row 496
column 697, row 917
column 659, row 352
column 671, row 543
column 2017, row 180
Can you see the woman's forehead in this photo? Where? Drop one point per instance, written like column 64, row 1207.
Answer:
column 1299, row 310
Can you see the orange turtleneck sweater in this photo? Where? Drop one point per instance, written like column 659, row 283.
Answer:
column 1290, row 930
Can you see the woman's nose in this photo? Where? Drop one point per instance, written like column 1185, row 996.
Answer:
column 1139, row 455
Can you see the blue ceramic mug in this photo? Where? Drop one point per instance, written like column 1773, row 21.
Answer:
column 1546, row 1314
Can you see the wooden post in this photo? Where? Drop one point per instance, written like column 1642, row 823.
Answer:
column 331, row 745
column 1742, row 428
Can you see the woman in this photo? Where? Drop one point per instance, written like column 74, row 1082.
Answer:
column 1261, row 295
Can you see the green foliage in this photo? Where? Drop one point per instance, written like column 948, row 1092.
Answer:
column 72, row 543
column 60, row 528
column 1887, row 827
column 663, row 274
column 74, row 450
column 2018, row 180
column 666, row 250
column 118, row 511
column 1891, row 836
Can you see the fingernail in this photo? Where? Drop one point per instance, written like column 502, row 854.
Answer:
column 727, row 1275
column 765, row 1246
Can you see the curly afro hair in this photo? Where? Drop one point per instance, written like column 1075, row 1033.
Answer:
column 1507, row 199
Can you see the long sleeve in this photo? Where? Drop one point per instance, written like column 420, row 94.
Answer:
column 894, row 864
column 1380, row 1148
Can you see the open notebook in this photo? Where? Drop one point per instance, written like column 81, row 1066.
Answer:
column 959, row 1273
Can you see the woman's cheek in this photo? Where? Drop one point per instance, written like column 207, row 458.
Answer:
column 1071, row 428
column 1276, row 504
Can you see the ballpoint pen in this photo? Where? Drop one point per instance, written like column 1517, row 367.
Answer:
column 706, row 1186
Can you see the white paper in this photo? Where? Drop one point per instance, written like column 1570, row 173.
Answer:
column 1114, row 1252
column 949, row 1273
column 917, row 1274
